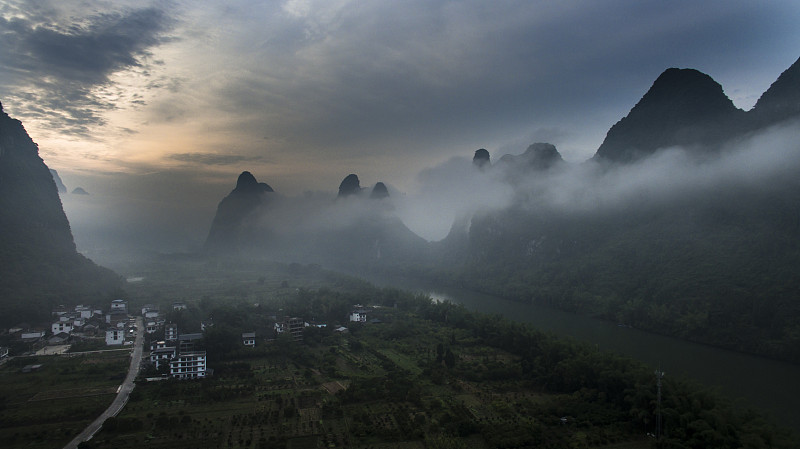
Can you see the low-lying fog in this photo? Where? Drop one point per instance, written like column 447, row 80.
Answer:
column 110, row 227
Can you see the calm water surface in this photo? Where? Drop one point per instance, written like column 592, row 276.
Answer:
column 769, row 385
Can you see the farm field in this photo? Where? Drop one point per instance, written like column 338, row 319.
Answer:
column 48, row 406
column 415, row 374
column 380, row 385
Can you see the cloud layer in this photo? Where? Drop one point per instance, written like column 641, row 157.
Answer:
column 302, row 92
column 59, row 69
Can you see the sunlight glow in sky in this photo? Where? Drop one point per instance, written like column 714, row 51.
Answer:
column 122, row 96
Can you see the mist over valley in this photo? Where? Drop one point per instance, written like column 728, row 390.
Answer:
column 190, row 214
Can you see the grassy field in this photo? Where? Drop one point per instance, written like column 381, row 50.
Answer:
column 46, row 408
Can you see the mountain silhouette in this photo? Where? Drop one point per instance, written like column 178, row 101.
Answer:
column 781, row 101
column 538, row 156
column 229, row 224
column 39, row 263
column 350, row 185
column 712, row 263
column 379, row 191
column 59, row 184
column 481, row 158
column 683, row 107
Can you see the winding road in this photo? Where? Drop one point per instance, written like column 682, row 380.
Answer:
column 122, row 394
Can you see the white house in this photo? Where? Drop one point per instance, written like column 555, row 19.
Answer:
column 119, row 305
column 151, row 327
column 115, row 337
column 84, row 312
column 178, row 306
column 188, row 365
column 359, row 316
column 61, row 326
column 249, row 339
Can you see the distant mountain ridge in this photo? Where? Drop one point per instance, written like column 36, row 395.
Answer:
column 687, row 108
column 351, row 229
column 782, row 100
column 229, row 225
column 59, row 183
column 39, row 263
column 706, row 262
column 714, row 262
column 683, row 107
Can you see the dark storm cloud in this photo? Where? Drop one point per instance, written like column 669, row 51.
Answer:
column 57, row 64
column 84, row 53
column 211, row 159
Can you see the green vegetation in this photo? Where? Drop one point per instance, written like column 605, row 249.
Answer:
column 49, row 406
column 429, row 375
column 718, row 268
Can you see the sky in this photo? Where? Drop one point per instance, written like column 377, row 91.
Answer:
column 156, row 108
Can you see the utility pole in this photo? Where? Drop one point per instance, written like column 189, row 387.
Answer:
column 659, row 376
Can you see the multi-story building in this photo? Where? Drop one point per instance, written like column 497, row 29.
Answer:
column 61, row 326
column 359, row 316
column 293, row 326
column 151, row 327
column 115, row 336
column 188, row 365
column 161, row 356
column 171, row 332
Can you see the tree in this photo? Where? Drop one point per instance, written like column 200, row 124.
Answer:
column 449, row 359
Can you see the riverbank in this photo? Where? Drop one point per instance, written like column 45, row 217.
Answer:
column 763, row 383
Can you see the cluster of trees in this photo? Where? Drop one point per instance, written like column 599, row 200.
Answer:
column 602, row 387
column 717, row 268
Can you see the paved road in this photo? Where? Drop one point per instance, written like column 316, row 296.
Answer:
column 123, row 392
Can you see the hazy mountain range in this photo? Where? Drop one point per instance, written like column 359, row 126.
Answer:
column 686, row 221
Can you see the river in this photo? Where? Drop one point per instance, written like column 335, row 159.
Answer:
column 768, row 385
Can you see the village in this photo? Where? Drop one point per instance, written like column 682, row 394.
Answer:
column 173, row 352
column 310, row 359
